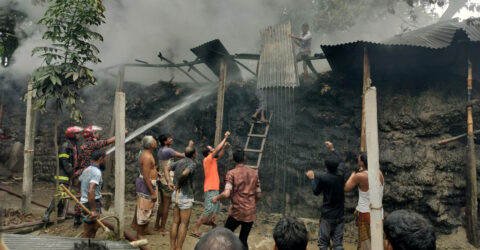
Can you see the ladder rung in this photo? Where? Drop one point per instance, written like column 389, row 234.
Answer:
column 258, row 135
column 252, row 150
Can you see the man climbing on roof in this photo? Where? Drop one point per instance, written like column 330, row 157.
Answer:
column 211, row 184
column 305, row 43
column 262, row 106
column 68, row 160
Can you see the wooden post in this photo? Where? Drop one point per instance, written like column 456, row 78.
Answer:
column 220, row 102
column 471, row 171
column 366, row 84
column 109, row 171
column 57, row 167
column 28, row 153
column 120, row 159
column 376, row 220
column 1, row 108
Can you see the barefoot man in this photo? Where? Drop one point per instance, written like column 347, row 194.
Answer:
column 211, row 184
column 146, row 186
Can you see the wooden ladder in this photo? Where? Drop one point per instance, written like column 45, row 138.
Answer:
column 264, row 139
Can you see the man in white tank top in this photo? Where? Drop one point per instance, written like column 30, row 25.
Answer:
column 362, row 211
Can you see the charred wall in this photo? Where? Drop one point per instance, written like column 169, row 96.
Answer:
column 419, row 174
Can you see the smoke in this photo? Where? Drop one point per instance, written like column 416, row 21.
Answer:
column 141, row 29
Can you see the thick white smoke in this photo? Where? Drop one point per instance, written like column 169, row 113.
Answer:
column 140, row 29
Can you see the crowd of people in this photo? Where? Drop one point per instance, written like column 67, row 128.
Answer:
column 162, row 182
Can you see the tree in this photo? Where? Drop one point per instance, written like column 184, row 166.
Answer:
column 338, row 15
column 69, row 28
column 8, row 40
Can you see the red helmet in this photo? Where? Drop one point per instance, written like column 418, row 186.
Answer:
column 71, row 131
column 90, row 130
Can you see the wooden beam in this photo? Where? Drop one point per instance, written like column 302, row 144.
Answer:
column 454, row 138
column 376, row 213
column 120, row 159
column 471, row 171
column 220, row 102
column 366, row 84
column 28, row 153
column 178, row 67
column 192, row 67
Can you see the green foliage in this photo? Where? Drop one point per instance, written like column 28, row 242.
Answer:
column 8, row 40
column 337, row 15
column 68, row 24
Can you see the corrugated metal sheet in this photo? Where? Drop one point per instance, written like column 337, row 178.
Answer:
column 211, row 53
column 436, row 36
column 431, row 51
column 277, row 66
column 29, row 242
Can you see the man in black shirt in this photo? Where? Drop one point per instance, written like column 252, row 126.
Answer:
column 332, row 220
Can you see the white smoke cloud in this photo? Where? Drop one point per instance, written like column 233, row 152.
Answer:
column 140, row 29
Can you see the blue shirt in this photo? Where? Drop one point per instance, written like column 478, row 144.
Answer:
column 92, row 174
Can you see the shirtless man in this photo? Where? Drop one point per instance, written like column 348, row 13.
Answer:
column 146, row 186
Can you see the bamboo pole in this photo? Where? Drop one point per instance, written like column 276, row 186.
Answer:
column 366, row 84
column 1, row 108
column 57, row 167
column 376, row 220
column 220, row 102
column 471, row 171
column 28, row 153
column 120, row 159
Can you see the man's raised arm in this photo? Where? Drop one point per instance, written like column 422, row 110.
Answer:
column 220, row 148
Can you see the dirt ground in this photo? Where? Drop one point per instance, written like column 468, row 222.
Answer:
column 260, row 237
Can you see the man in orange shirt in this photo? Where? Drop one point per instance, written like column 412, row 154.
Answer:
column 211, row 185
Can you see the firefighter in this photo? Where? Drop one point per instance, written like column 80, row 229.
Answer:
column 68, row 159
column 92, row 143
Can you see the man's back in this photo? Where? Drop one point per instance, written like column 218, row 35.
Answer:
column 178, row 167
column 212, row 180
column 245, row 185
column 91, row 174
column 331, row 185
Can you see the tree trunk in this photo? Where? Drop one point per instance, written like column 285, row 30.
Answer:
column 57, row 170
